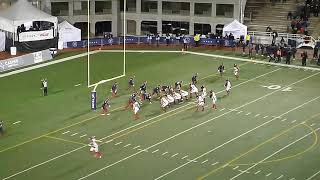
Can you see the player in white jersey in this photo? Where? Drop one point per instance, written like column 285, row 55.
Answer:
column 164, row 102
column 203, row 93
column 193, row 89
column 94, row 147
column 214, row 99
column 184, row 94
column 227, row 85
column 200, row 103
column 236, row 70
column 136, row 108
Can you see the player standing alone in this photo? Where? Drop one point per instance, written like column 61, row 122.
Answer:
column 131, row 83
column 136, row 108
column 44, row 86
column 227, row 85
column 94, row 147
column 221, row 69
column 236, row 70
column 114, row 89
column 214, row 99
column 105, row 107
column 194, row 79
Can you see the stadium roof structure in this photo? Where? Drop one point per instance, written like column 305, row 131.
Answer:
column 22, row 12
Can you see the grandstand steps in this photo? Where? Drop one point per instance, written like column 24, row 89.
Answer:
column 263, row 14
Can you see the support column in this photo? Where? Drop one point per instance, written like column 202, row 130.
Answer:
column 213, row 27
column 46, row 6
column 70, row 8
column 138, row 6
column 138, row 27
column 116, row 18
column 159, row 19
column 213, row 10
column 191, row 27
column 92, row 27
column 192, row 4
column 92, row 7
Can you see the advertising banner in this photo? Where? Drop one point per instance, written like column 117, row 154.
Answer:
column 25, row 60
column 35, row 35
column 93, row 100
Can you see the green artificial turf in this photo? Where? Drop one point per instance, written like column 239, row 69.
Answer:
column 257, row 130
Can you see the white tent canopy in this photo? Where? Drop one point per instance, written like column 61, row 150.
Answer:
column 68, row 33
column 2, row 41
column 22, row 12
column 236, row 28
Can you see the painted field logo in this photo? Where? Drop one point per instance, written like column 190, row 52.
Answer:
column 93, row 100
column 275, row 87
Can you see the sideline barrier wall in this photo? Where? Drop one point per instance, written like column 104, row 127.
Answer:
column 25, row 60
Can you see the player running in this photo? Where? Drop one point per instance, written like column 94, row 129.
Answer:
column 194, row 79
column 203, row 93
column 143, row 90
column 236, row 71
column 193, row 89
column 131, row 83
column 114, row 89
column 213, row 96
column 156, row 91
column 136, row 108
column 227, row 85
column 221, row 70
column 132, row 99
column 94, row 147
column 105, row 107
column 200, row 103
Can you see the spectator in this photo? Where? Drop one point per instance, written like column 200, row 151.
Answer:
column 250, row 47
column 294, row 51
column 257, row 48
column 185, row 43
column 158, row 39
column 268, row 29
column 178, row 37
column 196, row 39
column 289, row 16
column 315, row 52
column 168, row 39
column 278, row 55
column 288, row 55
column 248, row 38
column 304, row 56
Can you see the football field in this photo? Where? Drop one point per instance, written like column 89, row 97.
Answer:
column 266, row 128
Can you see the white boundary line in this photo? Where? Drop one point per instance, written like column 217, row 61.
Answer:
column 283, row 148
column 235, row 138
column 45, row 162
column 314, row 175
column 205, row 122
column 45, row 64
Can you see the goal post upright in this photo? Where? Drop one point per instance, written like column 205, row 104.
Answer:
column 124, row 36
column 88, row 44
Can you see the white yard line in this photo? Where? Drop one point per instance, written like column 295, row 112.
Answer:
column 235, row 168
column 239, row 112
column 127, row 145
column 248, row 113
column 83, row 136
column 265, row 117
column 174, row 155
column 66, row 132
column 222, row 109
column 204, row 161
column 275, row 153
column 280, row 176
column 17, row 122
column 118, row 143
column 74, row 134
column 164, row 153
column 77, row 85
column 283, row 120
column 268, row 174
column 257, row 115
column 235, row 138
column 155, row 151
column 136, row 147
column 257, row 172
column 205, row 122
column 314, row 175
column 215, row 163
column 184, row 157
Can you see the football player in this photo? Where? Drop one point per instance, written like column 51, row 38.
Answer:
column 114, row 89
column 227, row 85
column 214, row 99
column 105, row 107
column 221, row 69
column 236, row 70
